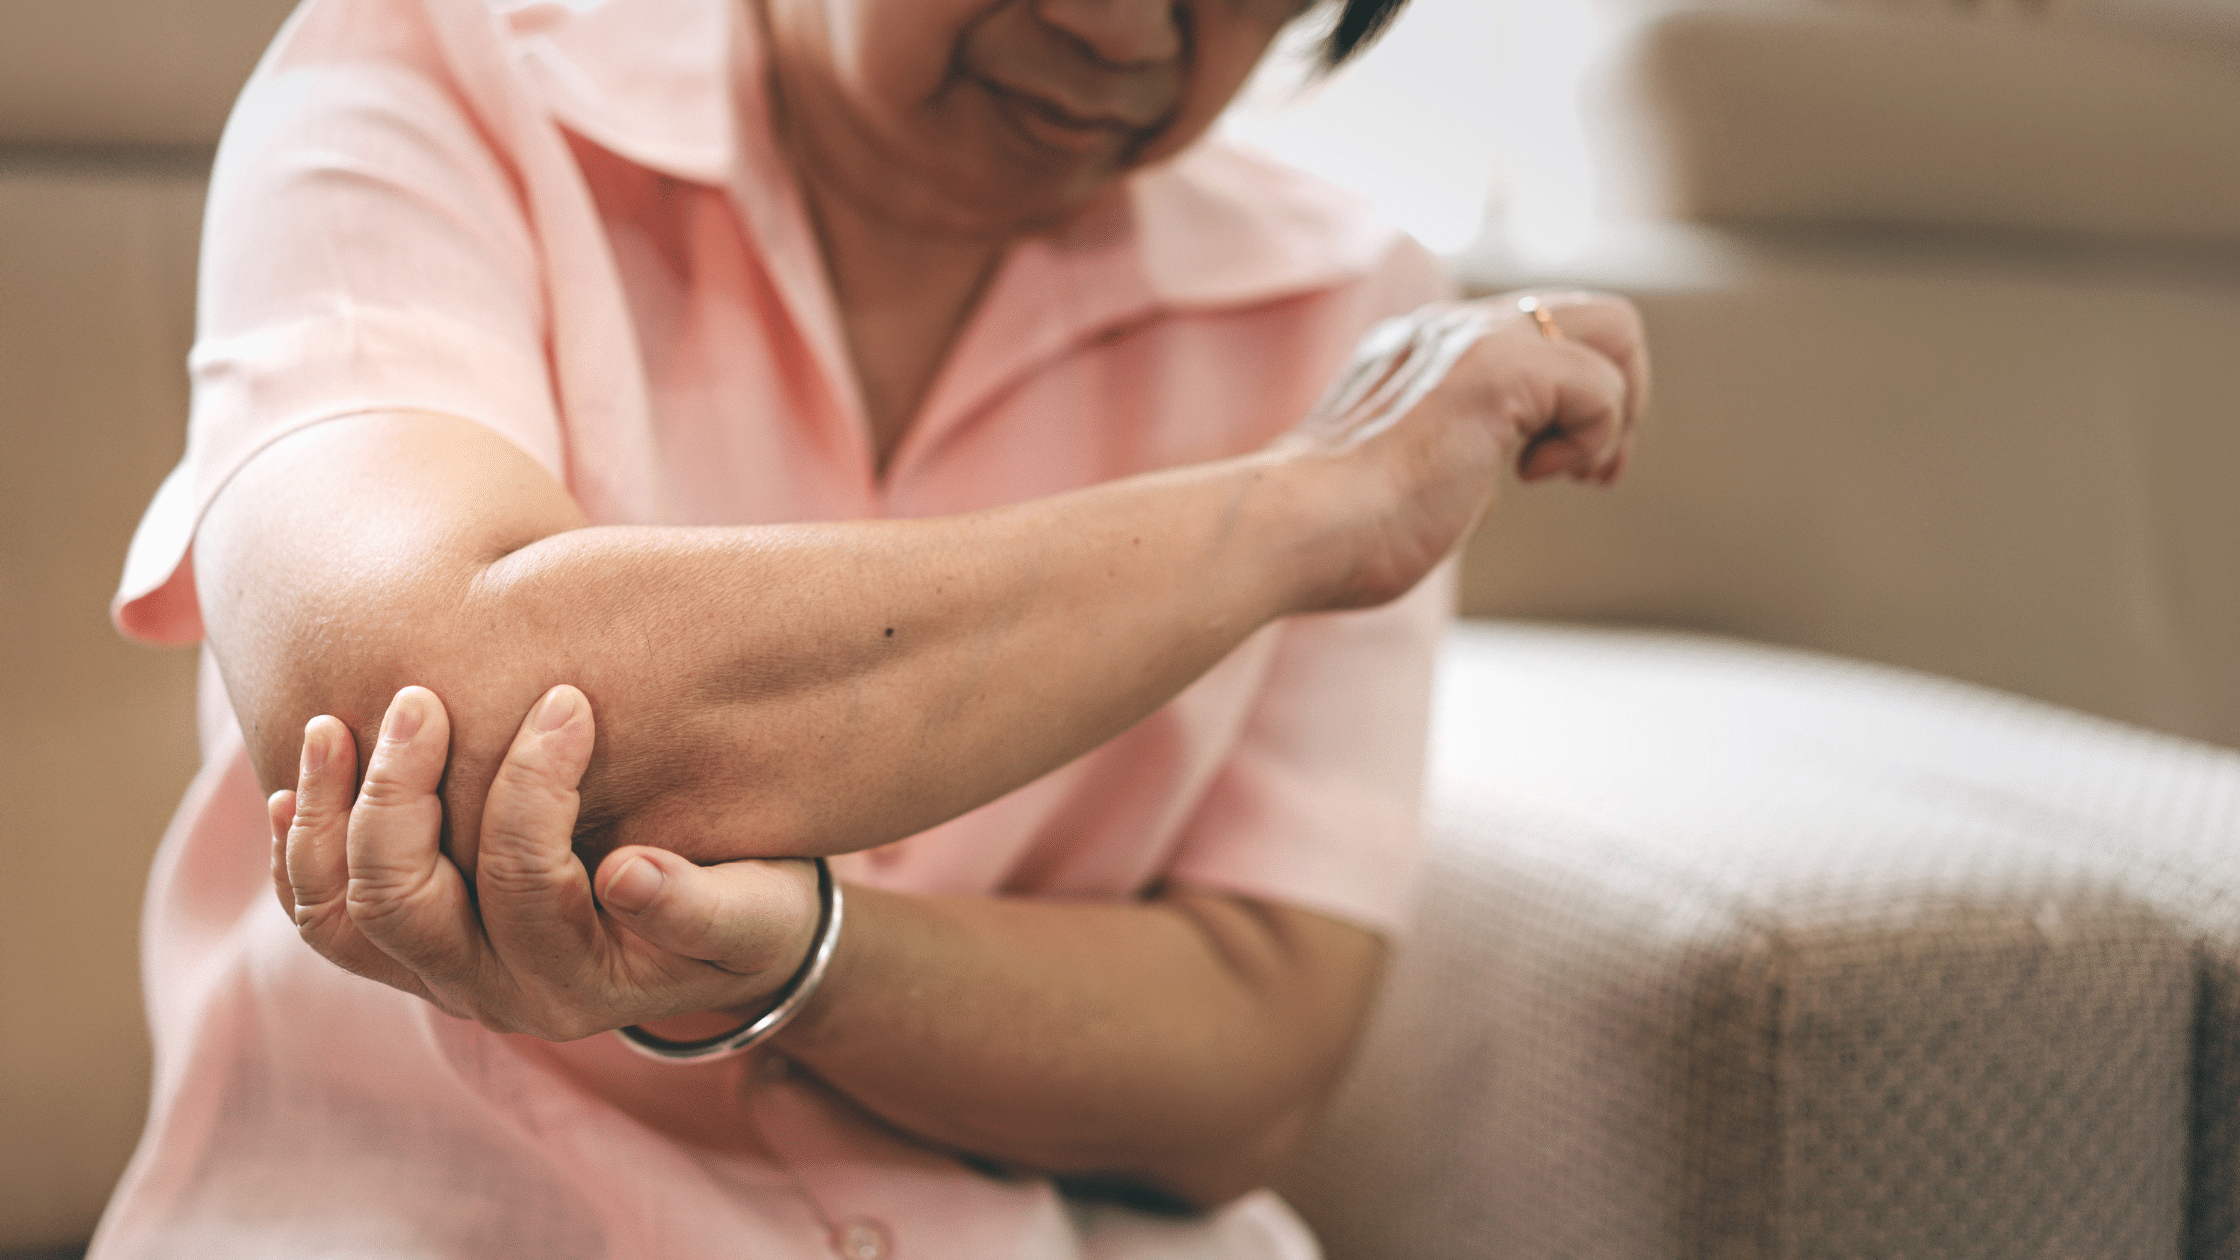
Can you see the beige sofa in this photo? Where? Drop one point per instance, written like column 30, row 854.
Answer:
column 1724, row 950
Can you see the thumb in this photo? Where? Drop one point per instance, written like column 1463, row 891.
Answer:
column 751, row 917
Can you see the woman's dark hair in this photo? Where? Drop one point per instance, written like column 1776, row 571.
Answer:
column 1358, row 26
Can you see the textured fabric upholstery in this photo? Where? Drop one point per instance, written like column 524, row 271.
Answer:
column 1740, row 952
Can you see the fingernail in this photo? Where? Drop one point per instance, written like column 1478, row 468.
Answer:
column 559, row 705
column 314, row 749
column 634, row 886
column 406, row 713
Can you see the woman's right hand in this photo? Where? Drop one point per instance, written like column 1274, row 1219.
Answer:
column 523, row 945
column 1435, row 404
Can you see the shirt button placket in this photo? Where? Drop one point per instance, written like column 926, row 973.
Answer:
column 861, row 1239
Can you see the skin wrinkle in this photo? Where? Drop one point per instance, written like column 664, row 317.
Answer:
column 760, row 682
column 1233, row 492
column 1175, row 1043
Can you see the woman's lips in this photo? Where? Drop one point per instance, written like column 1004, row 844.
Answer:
column 1058, row 97
column 1053, row 126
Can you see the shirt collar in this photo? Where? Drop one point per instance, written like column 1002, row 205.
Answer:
column 652, row 81
column 649, row 80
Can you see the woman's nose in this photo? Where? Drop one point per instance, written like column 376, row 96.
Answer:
column 1118, row 32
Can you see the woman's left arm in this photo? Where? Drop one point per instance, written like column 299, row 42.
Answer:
column 1178, row 1044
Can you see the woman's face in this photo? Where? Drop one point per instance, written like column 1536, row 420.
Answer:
column 1004, row 114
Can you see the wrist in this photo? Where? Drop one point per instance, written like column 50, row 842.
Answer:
column 1322, row 503
column 701, row 1025
column 791, row 997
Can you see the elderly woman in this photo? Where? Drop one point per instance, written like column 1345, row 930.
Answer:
column 879, row 428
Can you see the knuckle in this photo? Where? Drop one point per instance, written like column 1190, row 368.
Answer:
column 700, row 932
column 315, row 921
column 311, row 812
column 377, row 917
column 312, row 822
column 376, row 874
column 511, row 863
column 382, row 790
column 379, row 898
column 534, row 777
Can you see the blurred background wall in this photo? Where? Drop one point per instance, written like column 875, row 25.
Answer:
column 108, row 113
column 1945, row 302
column 1944, row 296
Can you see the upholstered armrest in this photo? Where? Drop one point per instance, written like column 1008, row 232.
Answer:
column 1733, row 951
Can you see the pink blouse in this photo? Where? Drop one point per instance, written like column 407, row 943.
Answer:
column 563, row 222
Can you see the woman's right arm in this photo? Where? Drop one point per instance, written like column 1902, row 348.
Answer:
column 367, row 239
column 787, row 690
column 807, row 689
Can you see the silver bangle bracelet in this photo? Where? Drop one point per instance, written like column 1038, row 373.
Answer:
column 791, row 998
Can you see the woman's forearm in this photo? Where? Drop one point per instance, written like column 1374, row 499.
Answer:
column 785, row 690
column 1179, row 1045
column 804, row 689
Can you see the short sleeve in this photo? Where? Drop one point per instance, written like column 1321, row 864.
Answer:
column 365, row 248
column 1319, row 803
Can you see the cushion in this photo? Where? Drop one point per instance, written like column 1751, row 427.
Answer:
column 1736, row 951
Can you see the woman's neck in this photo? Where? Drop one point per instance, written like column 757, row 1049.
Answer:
column 904, row 294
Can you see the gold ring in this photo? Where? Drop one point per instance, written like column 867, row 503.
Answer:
column 1549, row 328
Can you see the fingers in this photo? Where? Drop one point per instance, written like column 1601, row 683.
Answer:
column 1558, row 405
column 404, row 894
column 751, row 918
column 315, row 859
column 1610, row 326
column 280, row 813
column 574, row 974
column 1586, row 425
column 311, row 862
column 536, row 899
column 372, row 891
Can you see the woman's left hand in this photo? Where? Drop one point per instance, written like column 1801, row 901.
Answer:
column 529, row 949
